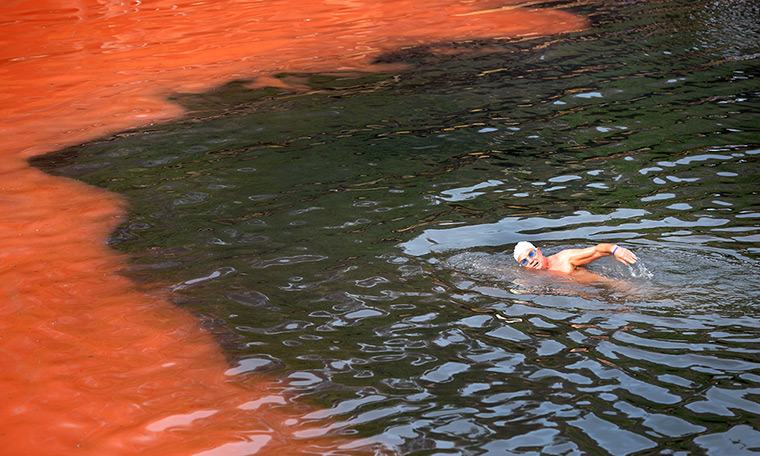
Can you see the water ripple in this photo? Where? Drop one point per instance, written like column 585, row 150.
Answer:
column 372, row 253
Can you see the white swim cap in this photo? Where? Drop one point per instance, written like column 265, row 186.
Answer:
column 523, row 247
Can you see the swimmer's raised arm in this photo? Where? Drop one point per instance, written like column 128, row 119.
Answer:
column 580, row 257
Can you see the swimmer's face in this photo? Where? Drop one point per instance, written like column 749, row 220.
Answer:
column 533, row 259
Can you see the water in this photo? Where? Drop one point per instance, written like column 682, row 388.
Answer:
column 355, row 239
column 107, row 368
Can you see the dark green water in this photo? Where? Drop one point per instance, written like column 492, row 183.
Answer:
column 356, row 240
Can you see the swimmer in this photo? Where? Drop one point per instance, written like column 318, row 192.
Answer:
column 569, row 260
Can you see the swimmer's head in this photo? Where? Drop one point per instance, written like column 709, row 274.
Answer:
column 522, row 248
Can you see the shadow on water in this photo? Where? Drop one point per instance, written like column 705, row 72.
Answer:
column 356, row 239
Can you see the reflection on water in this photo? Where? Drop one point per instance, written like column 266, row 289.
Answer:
column 356, row 239
column 77, row 71
column 90, row 365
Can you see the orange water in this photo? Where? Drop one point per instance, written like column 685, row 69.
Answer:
column 89, row 365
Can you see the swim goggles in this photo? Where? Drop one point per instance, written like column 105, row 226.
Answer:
column 524, row 262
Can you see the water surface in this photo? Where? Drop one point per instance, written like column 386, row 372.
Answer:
column 90, row 363
column 354, row 239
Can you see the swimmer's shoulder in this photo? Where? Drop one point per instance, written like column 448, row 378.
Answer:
column 560, row 261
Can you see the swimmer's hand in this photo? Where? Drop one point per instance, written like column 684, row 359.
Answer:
column 624, row 255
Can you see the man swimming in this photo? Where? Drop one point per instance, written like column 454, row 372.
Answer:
column 569, row 260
